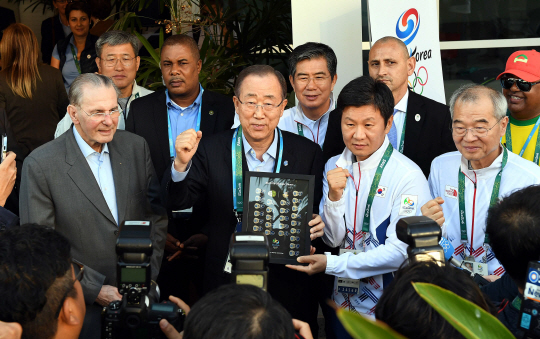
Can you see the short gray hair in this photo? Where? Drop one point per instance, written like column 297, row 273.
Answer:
column 473, row 92
column 88, row 79
column 115, row 38
column 313, row 50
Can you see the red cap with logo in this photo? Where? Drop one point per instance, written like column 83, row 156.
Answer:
column 523, row 64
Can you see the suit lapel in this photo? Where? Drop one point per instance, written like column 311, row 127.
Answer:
column 415, row 110
column 82, row 176
column 120, row 168
column 208, row 121
column 161, row 129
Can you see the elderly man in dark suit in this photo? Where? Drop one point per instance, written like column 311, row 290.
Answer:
column 260, row 101
column 421, row 129
column 86, row 183
column 159, row 118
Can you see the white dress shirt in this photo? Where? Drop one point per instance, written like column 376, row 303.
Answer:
column 100, row 164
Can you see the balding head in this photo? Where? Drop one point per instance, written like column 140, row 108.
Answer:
column 389, row 62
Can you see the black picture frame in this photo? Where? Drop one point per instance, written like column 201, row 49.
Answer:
column 293, row 196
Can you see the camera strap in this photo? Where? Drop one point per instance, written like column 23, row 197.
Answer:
column 537, row 147
column 493, row 201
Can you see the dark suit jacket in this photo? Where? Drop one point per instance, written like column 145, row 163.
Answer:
column 211, row 173
column 59, row 190
column 148, row 118
column 51, row 33
column 425, row 139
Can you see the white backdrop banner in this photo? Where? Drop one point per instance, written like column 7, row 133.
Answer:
column 337, row 24
column 416, row 23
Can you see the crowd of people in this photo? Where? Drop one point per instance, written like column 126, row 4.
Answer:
column 90, row 149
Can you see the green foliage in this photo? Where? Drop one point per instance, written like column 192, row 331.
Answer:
column 360, row 327
column 468, row 318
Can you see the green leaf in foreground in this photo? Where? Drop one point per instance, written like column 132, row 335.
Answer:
column 468, row 318
column 361, row 327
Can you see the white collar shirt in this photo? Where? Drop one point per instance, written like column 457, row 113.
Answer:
column 400, row 115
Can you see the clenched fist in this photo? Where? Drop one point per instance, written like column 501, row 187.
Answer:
column 432, row 209
column 186, row 146
column 337, row 180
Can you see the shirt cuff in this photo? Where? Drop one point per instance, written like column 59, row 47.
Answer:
column 334, row 204
column 330, row 263
column 179, row 176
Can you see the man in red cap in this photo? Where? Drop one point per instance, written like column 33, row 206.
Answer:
column 519, row 81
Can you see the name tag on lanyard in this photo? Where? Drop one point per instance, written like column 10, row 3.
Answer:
column 345, row 285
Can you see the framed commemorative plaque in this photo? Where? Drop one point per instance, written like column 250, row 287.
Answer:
column 280, row 206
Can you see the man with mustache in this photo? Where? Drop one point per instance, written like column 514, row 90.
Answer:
column 159, row 118
column 421, row 127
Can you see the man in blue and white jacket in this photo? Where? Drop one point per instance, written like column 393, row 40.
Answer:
column 464, row 184
column 367, row 189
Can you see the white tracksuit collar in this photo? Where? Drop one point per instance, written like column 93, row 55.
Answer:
column 301, row 118
column 486, row 172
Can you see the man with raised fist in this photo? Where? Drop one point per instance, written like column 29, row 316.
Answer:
column 203, row 169
column 366, row 190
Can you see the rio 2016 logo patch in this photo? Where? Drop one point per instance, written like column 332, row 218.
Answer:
column 408, row 205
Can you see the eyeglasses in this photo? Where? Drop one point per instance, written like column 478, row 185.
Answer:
column 319, row 79
column 252, row 107
column 523, row 85
column 102, row 115
column 476, row 131
column 111, row 62
column 78, row 269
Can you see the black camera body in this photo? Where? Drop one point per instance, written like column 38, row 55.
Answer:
column 422, row 234
column 529, row 318
column 249, row 257
column 136, row 316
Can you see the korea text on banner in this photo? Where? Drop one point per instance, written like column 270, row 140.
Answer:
column 415, row 22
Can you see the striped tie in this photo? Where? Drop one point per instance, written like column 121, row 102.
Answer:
column 392, row 135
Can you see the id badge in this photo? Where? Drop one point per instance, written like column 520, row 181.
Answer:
column 345, row 285
column 480, row 268
column 469, row 264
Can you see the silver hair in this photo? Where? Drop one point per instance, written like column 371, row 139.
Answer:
column 115, row 38
column 83, row 81
column 472, row 92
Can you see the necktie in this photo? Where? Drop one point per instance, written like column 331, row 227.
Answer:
column 392, row 135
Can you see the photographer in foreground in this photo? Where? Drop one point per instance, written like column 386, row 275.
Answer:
column 514, row 232
column 237, row 311
column 401, row 299
column 39, row 285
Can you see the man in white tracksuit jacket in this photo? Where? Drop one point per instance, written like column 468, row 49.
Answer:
column 367, row 189
column 465, row 183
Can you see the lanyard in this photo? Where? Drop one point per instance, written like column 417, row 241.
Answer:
column 300, row 128
column 75, row 59
column 375, row 185
column 461, row 196
column 172, row 151
column 536, row 149
column 236, row 155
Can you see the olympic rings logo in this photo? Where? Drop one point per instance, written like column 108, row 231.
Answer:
column 419, row 80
